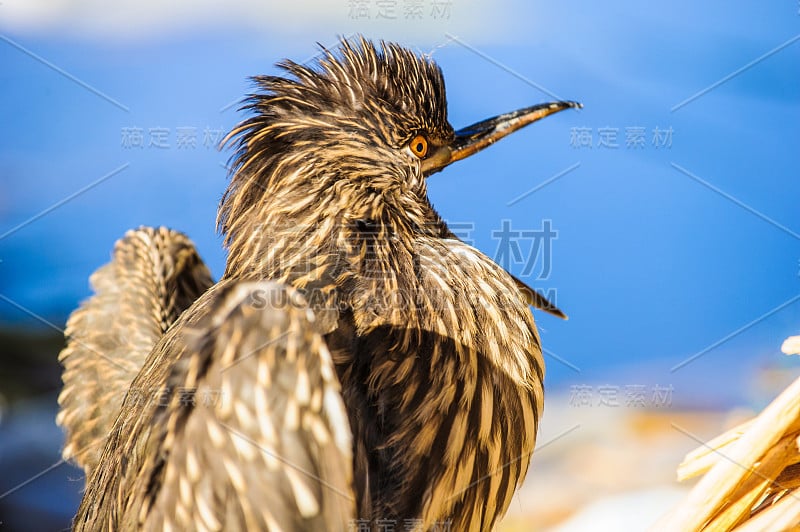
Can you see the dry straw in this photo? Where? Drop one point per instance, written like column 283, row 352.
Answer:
column 751, row 473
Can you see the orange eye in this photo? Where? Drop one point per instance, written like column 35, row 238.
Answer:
column 419, row 146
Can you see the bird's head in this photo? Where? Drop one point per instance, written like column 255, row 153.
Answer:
column 349, row 139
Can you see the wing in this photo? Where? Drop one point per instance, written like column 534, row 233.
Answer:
column 443, row 385
column 537, row 300
column 496, row 358
column 531, row 296
column 154, row 275
column 248, row 430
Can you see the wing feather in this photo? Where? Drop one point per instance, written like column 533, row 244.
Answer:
column 154, row 275
column 250, row 432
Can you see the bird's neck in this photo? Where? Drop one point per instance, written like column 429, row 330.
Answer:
column 328, row 238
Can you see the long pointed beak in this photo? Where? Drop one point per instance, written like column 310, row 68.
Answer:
column 476, row 137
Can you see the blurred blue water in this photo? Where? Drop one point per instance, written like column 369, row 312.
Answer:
column 37, row 490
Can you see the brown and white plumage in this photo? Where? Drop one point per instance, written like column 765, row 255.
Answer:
column 224, row 442
column 337, row 260
column 154, row 276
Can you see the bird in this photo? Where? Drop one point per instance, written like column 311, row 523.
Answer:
column 357, row 366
